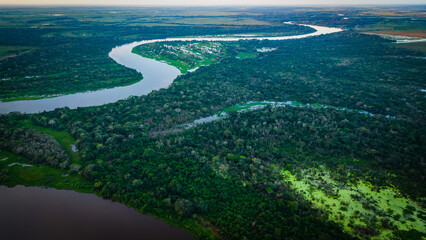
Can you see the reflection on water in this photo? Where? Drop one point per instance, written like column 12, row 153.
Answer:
column 400, row 39
column 156, row 75
column 39, row 213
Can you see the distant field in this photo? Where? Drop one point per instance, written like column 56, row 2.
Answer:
column 344, row 159
column 395, row 13
column 153, row 24
column 210, row 13
column 218, row 21
column 60, row 17
column 420, row 46
column 77, row 41
column 243, row 55
column 403, row 33
column 10, row 51
column 398, row 27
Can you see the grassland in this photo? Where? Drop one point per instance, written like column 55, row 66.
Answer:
column 55, row 18
column 76, row 42
column 403, row 33
column 11, row 51
column 13, row 173
column 243, row 55
column 38, row 175
column 63, row 137
column 394, row 12
column 232, row 209
column 11, row 99
column 359, row 206
column 217, row 21
column 397, row 27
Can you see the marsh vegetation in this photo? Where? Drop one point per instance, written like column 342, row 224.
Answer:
column 343, row 160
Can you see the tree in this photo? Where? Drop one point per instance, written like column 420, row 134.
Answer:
column 184, row 207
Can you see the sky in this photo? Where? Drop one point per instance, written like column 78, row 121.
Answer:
column 208, row 2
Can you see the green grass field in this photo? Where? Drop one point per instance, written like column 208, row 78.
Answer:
column 395, row 26
column 11, row 99
column 217, row 21
column 244, row 55
column 43, row 175
column 63, row 137
column 38, row 175
column 9, row 51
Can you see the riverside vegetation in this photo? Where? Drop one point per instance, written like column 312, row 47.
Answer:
column 184, row 56
column 290, row 172
column 72, row 49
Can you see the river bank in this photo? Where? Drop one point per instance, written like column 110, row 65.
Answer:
column 156, row 75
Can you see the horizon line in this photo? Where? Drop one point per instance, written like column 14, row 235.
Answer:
column 193, row 5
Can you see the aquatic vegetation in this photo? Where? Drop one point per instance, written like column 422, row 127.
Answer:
column 363, row 209
column 255, row 174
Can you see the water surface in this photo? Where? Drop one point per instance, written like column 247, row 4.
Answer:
column 156, row 75
column 32, row 213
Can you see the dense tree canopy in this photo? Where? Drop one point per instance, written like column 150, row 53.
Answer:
column 226, row 175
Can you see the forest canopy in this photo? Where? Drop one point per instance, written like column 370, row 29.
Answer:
column 348, row 162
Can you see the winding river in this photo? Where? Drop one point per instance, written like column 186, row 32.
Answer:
column 156, row 75
column 86, row 214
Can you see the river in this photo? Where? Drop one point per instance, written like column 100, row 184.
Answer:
column 400, row 39
column 47, row 213
column 40, row 213
column 156, row 75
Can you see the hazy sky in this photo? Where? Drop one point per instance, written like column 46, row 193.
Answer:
column 208, row 2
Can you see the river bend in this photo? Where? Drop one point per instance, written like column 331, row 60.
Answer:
column 156, row 75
